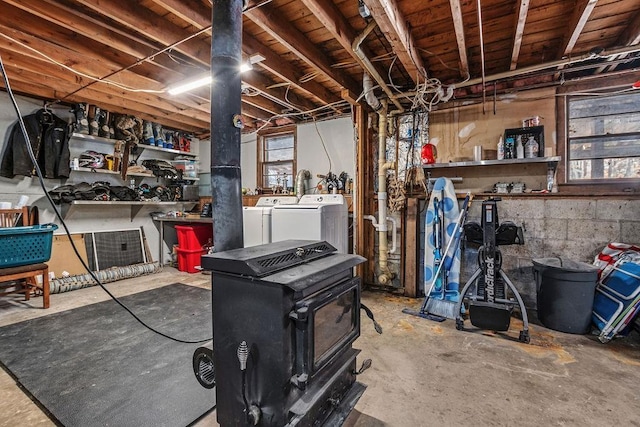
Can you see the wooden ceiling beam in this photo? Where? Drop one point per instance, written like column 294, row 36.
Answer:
column 93, row 66
column 100, row 92
column 273, row 22
column 579, row 18
column 139, row 19
column 394, row 26
column 200, row 17
column 42, row 90
column 193, row 12
column 521, row 18
column 263, row 103
column 458, row 26
column 90, row 49
column 630, row 36
column 332, row 19
column 274, row 64
column 119, row 104
column 79, row 23
column 278, row 94
column 254, row 112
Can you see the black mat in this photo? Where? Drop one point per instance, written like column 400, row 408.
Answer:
column 96, row 366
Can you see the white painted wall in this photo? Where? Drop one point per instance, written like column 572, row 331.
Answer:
column 338, row 136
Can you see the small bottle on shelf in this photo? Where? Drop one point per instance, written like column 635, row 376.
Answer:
column 519, row 148
column 509, row 152
column 500, row 149
column 531, row 148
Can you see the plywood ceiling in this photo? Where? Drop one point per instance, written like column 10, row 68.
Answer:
column 123, row 55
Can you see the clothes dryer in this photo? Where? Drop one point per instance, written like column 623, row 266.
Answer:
column 315, row 217
column 256, row 220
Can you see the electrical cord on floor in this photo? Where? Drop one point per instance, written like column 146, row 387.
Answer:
column 64, row 225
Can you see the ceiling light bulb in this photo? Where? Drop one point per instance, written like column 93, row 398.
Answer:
column 245, row 66
column 185, row 87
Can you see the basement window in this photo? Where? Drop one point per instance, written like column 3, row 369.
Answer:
column 277, row 154
column 603, row 138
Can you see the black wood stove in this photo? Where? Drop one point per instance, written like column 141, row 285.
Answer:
column 285, row 316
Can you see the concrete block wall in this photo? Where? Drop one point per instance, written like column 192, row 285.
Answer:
column 568, row 227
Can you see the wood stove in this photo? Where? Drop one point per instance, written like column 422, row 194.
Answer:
column 285, row 316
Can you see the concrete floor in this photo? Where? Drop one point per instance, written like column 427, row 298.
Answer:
column 426, row 373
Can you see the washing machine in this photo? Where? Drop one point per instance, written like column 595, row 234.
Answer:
column 315, row 217
column 256, row 220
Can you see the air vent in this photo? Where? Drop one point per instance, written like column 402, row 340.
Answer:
column 262, row 260
column 281, row 260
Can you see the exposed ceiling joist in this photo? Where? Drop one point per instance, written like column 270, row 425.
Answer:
column 274, row 64
column 200, row 17
column 139, row 19
column 394, row 26
column 458, row 25
column 629, row 37
column 579, row 19
column 193, row 12
column 521, row 19
column 278, row 27
column 331, row 18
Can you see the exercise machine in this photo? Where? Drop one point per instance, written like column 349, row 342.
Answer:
column 490, row 307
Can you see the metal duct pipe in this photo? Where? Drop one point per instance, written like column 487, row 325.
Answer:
column 108, row 275
column 369, row 66
column 301, row 177
column 226, row 121
column 369, row 96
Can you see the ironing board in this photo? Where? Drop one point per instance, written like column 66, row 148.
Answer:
column 444, row 191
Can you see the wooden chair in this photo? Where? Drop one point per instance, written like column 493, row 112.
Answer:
column 26, row 274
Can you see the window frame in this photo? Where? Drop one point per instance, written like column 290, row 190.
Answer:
column 591, row 186
column 262, row 136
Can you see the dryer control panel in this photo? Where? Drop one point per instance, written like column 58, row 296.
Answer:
column 322, row 199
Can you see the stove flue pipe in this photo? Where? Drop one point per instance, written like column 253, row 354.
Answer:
column 226, row 57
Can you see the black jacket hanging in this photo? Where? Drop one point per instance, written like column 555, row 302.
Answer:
column 49, row 136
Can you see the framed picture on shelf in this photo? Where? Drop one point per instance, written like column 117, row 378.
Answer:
column 536, row 131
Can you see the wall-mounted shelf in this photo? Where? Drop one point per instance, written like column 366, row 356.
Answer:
column 101, row 140
column 551, row 160
column 483, row 175
column 135, row 206
column 139, row 174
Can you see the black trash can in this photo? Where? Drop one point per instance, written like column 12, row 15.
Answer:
column 565, row 292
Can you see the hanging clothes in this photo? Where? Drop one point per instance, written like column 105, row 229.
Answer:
column 49, row 136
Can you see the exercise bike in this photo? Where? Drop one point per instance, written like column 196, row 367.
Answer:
column 489, row 306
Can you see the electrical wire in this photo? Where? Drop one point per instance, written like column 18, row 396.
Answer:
column 301, row 113
column 81, row 74
column 62, row 222
column 315, row 123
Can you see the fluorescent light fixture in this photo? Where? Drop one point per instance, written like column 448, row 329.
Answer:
column 185, row 87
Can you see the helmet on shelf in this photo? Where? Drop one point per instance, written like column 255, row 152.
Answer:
column 91, row 159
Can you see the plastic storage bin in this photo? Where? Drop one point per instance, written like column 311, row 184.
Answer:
column 189, row 260
column 25, row 245
column 189, row 168
column 565, row 293
column 196, row 236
